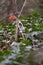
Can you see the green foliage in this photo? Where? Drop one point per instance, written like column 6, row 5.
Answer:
column 27, row 42
column 33, row 22
column 26, row 30
column 1, row 58
column 6, row 52
column 1, row 53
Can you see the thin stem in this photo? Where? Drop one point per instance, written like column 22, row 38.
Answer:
column 16, row 35
column 22, row 7
column 17, row 22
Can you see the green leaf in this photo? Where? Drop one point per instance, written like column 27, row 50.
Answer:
column 27, row 42
column 26, row 30
column 1, row 58
column 1, row 53
column 7, row 52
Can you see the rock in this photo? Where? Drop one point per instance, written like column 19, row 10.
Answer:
column 36, row 57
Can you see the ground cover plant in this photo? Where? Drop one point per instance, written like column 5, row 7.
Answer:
column 30, row 33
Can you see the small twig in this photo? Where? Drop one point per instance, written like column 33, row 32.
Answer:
column 16, row 35
column 22, row 8
column 17, row 22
